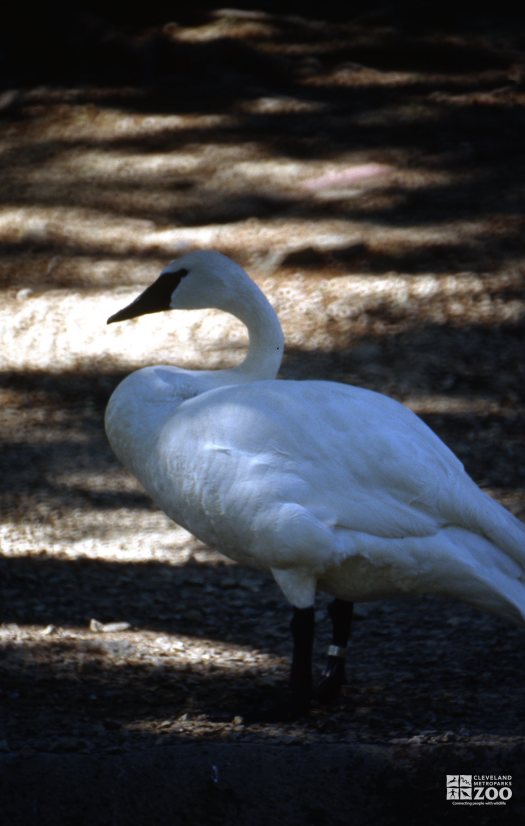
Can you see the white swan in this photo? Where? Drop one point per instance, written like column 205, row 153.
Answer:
column 329, row 486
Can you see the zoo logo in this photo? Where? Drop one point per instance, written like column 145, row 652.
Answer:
column 479, row 789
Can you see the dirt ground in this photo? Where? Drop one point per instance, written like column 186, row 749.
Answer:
column 369, row 175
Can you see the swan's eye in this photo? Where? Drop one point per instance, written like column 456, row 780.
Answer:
column 169, row 281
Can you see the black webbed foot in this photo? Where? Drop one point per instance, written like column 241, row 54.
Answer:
column 332, row 680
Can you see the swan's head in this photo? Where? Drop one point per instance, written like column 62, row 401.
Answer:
column 194, row 281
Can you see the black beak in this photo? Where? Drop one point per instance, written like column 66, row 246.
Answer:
column 155, row 298
column 131, row 311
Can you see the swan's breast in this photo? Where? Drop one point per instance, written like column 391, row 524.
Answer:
column 138, row 410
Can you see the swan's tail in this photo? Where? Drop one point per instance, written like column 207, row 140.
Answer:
column 484, row 575
column 470, row 507
column 499, row 594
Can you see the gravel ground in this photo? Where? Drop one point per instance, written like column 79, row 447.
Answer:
column 370, row 179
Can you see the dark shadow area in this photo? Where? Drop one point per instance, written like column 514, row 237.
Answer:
column 218, row 784
column 471, row 256
column 210, row 601
column 100, row 43
column 123, row 687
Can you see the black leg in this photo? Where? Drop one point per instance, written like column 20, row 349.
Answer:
column 334, row 675
column 303, row 626
column 297, row 701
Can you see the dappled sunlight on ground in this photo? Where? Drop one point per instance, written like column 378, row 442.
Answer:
column 370, row 180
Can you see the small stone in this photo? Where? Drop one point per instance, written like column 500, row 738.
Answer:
column 95, row 625
column 24, row 293
column 110, row 627
column 49, row 629
column 107, row 627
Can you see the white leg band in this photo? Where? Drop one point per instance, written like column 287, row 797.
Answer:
column 336, row 651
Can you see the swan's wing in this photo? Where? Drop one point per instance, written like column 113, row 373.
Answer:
column 327, row 483
column 290, row 470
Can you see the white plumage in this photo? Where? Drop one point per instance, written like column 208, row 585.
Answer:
column 327, row 485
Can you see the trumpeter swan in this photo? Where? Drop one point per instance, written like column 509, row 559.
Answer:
column 329, row 486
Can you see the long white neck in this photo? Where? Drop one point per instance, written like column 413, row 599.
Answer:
column 266, row 339
column 150, row 396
